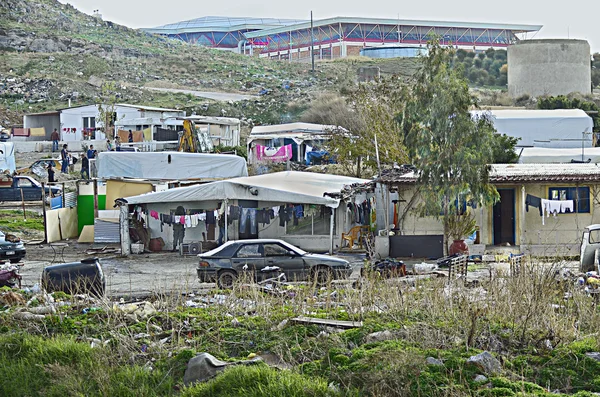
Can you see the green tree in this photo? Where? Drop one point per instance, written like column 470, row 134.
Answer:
column 371, row 112
column 596, row 70
column 107, row 107
column 565, row 102
column 451, row 149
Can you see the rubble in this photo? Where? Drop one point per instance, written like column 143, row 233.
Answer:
column 486, row 362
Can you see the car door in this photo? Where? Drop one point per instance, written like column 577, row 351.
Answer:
column 248, row 258
column 291, row 263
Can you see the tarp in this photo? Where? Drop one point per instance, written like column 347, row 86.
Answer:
column 170, row 165
column 7, row 157
column 274, row 154
column 291, row 187
column 560, row 128
column 548, row 155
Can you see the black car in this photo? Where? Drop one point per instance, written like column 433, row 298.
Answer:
column 11, row 248
column 259, row 257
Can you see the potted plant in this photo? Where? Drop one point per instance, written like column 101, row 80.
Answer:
column 458, row 227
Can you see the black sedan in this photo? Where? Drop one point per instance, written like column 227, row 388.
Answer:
column 11, row 248
column 258, row 257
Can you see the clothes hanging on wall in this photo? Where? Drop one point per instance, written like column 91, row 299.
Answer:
column 533, row 201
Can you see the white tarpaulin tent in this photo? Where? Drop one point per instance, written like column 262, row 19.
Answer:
column 170, row 165
column 536, row 155
column 291, row 187
column 7, row 157
column 560, row 128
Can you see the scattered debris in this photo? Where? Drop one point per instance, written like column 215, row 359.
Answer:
column 332, row 323
column 206, row 366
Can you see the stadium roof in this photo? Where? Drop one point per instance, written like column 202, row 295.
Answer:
column 222, row 24
column 402, row 22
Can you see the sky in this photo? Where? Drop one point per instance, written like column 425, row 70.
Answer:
column 575, row 19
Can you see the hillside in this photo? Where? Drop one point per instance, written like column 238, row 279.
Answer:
column 51, row 52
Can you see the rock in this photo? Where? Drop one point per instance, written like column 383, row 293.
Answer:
column 434, row 361
column 29, row 316
column 486, row 362
column 206, row 366
column 593, row 355
column 380, row 336
column 480, row 379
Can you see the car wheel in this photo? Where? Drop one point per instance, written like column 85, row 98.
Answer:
column 16, row 260
column 322, row 275
column 226, row 279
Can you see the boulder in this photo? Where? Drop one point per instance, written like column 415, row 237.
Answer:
column 593, row 355
column 486, row 362
column 206, row 366
column 434, row 361
column 480, row 379
column 380, row 336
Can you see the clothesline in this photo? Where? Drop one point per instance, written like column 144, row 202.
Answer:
column 549, row 207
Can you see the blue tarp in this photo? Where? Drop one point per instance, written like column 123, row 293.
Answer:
column 56, row 202
column 318, row 155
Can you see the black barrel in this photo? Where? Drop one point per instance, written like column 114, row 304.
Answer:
column 84, row 277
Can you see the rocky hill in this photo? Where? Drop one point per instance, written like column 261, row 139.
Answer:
column 50, row 53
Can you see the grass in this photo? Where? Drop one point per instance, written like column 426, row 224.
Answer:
column 12, row 221
column 540, row 337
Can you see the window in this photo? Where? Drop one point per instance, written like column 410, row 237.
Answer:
column 594, row 236
column 275, row 250
column 89, row 122
column 579, row 195
column 25, row 183
column 249, row 251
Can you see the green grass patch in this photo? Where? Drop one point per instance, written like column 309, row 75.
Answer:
column 13, row 221
column 60, row 366
column 259, row 381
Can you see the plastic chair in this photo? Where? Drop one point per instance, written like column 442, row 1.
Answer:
column 353, row 236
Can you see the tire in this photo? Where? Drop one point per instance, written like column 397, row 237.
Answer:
column 15, row 260
column 322, row 275
column 226, row 279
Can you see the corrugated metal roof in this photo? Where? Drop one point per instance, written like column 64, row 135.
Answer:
column 520, row 173
column 149, row 108
column 534, row 113
column 395, row 22
column 293, row 128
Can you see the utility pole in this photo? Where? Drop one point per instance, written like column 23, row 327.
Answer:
column 312, row 43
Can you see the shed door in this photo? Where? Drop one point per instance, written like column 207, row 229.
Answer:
column 504, row 218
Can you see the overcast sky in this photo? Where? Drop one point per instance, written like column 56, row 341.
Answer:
column 576, row 19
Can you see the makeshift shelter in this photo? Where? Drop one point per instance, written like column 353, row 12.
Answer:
column 254, row 195
column 292, row 141
column 170, row 166
column 560, row 128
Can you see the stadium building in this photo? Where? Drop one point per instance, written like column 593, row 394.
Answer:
column 338, row 37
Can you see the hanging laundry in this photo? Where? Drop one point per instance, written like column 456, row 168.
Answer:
column 534, row 202
column 210, row 218
column 154, row 214
column 234, row 212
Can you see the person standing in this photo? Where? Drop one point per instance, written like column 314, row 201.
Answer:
column 91, row 155
column 130, row 137
column 178, row 228
column 85, row 167
column 54, row 137
column 64, row 156
column 118, row 143
column 109, row 146
column 51, row 173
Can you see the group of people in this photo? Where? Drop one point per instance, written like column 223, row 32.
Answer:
column 67, row 161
